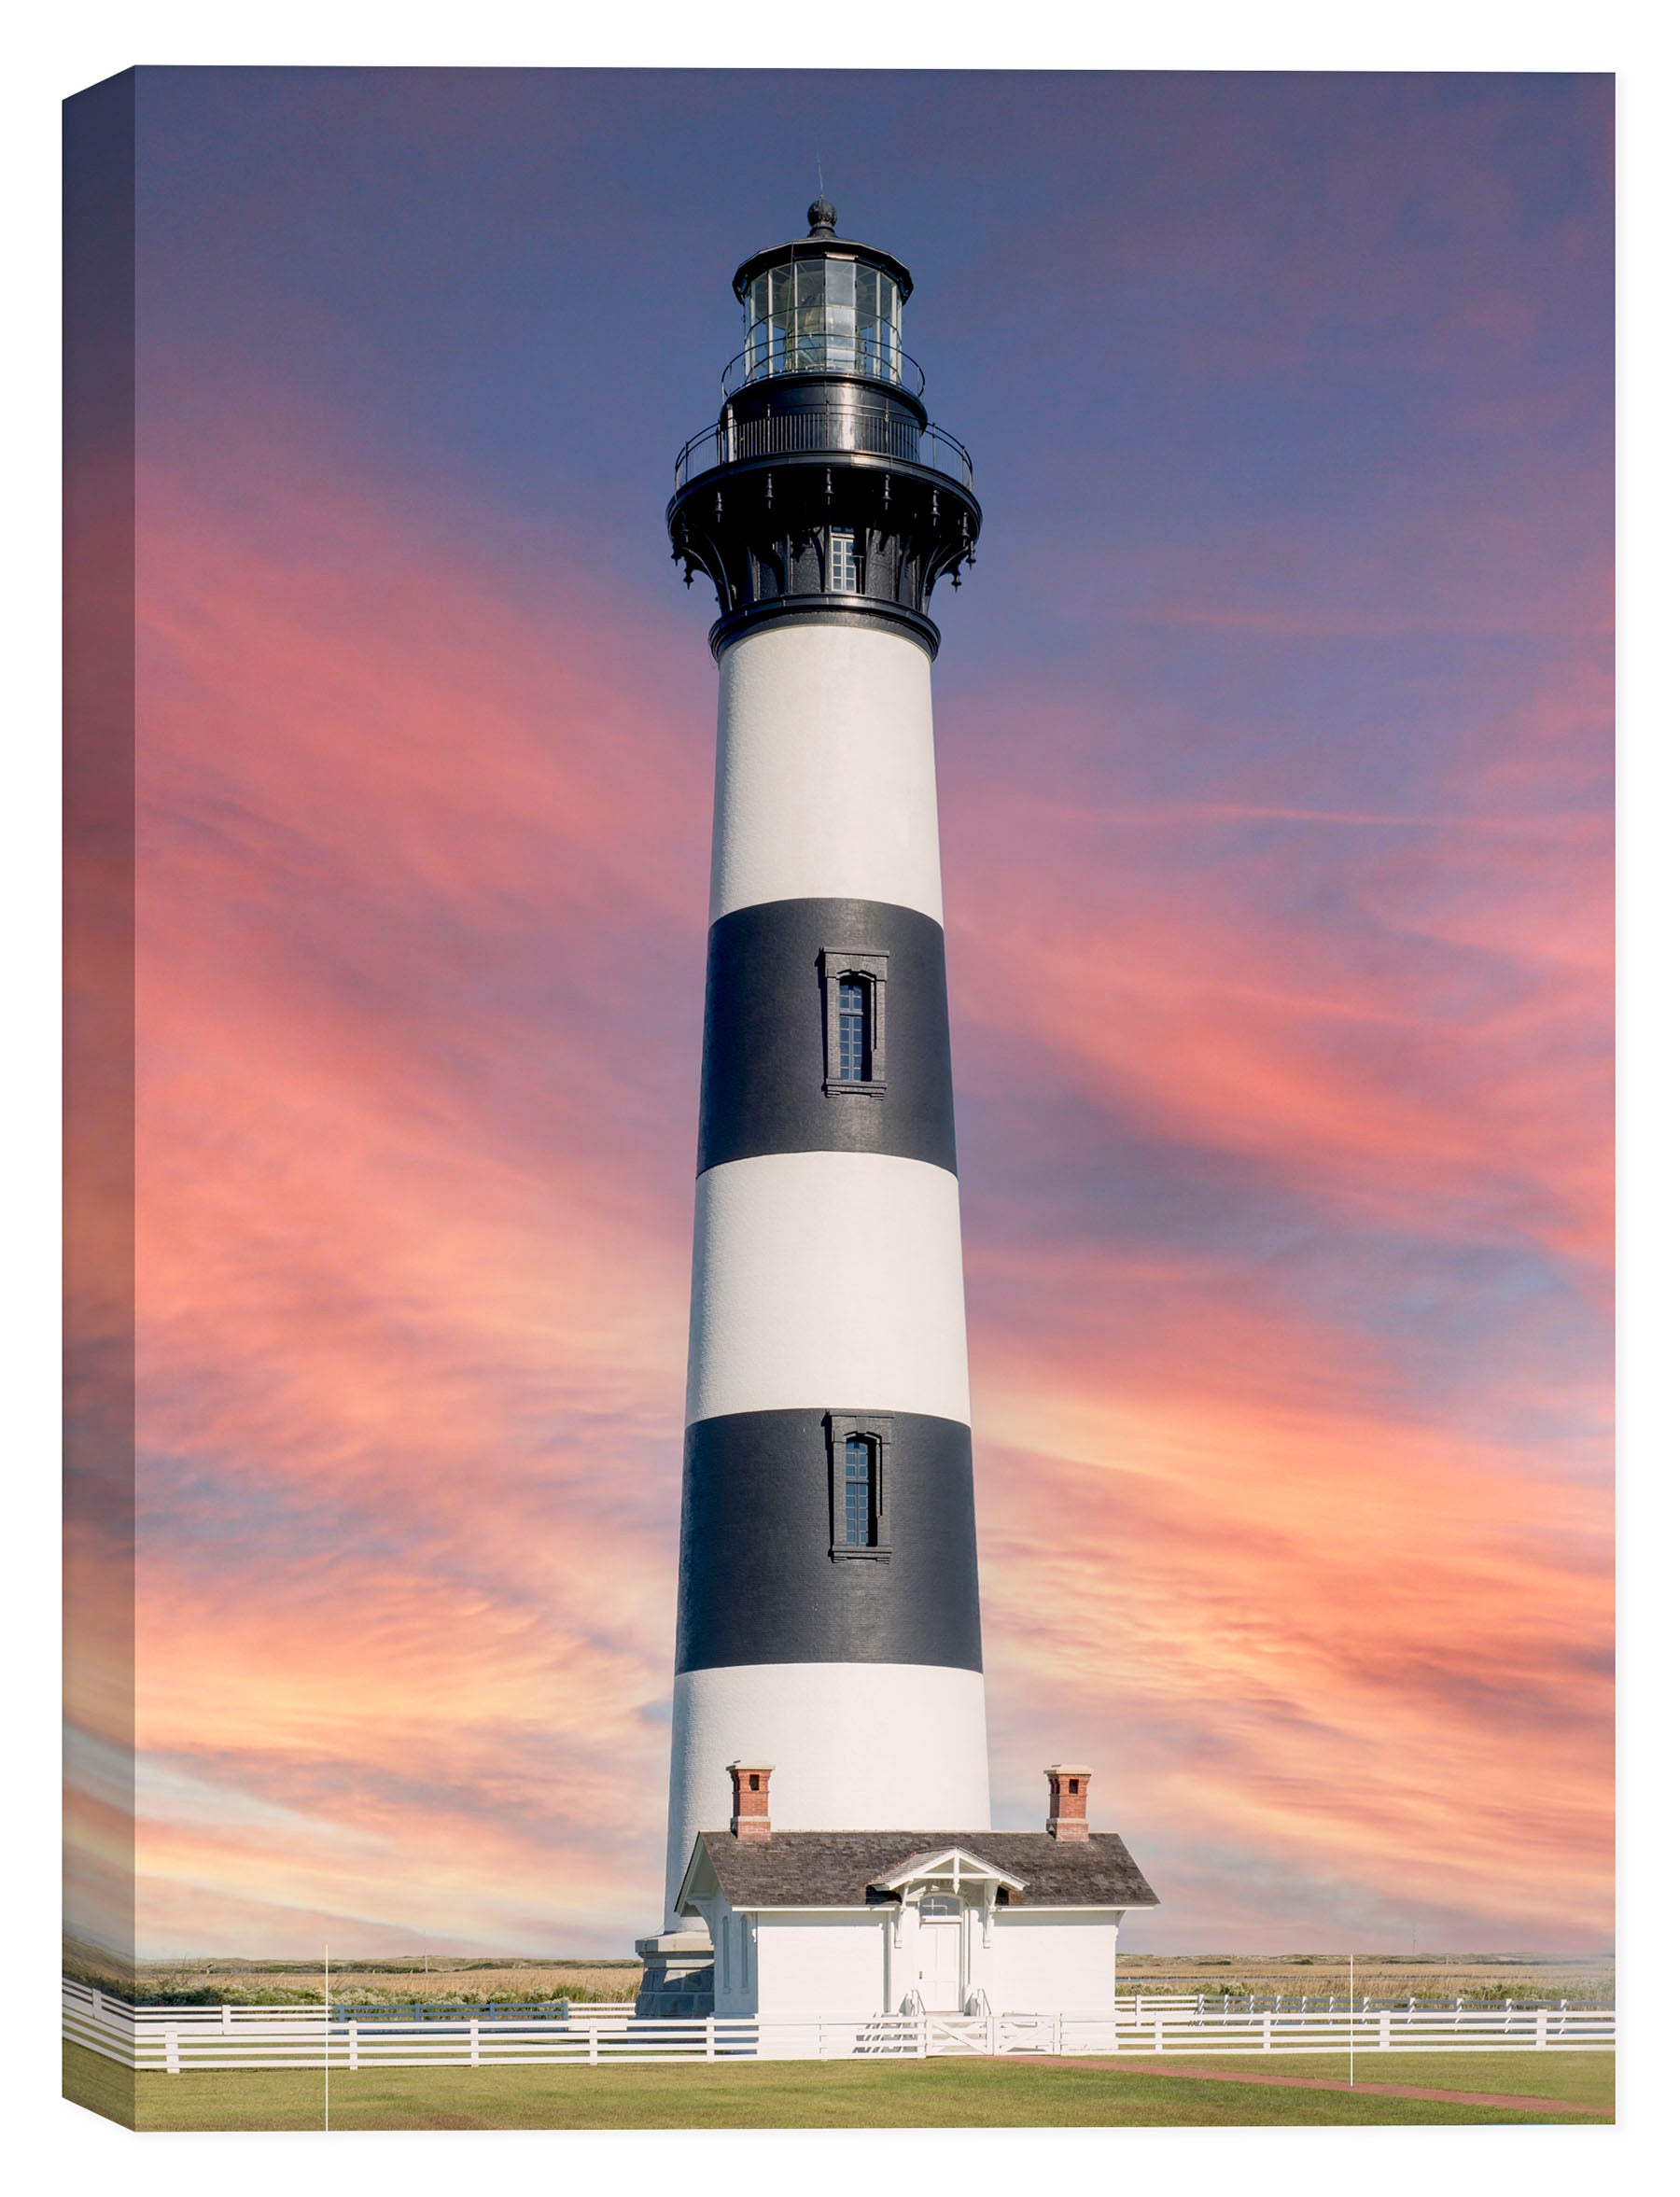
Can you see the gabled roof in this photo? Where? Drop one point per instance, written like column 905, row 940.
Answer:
column 946, row 1861
column 849, row 1868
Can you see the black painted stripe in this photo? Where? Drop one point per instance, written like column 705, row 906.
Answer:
column 761, row 1076
column 757, row 1582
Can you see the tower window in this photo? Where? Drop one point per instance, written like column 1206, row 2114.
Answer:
column 854, row 1022
column 860, row 1492
column 843, row 562
column 854, row 992
column 859, row 1443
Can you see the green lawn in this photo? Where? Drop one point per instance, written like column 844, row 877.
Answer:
column 930, row 2094
column 1586, row 2077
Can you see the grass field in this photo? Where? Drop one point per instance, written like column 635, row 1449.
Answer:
column 929, row 2093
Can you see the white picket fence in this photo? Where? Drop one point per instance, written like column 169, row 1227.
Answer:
column 173, row 2039
column 1140, row 2008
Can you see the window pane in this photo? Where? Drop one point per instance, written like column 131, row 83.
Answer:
column 781, row 318
column 843, row 563
column 809, row 311
column 839, row 316
column 758, row 331
column 871, row 350
column 853, row 1032
column 856, row 1522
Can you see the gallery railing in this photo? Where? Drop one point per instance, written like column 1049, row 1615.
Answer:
column 874, row 359
column 791, row 433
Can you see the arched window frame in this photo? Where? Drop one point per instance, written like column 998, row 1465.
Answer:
column 871, row 971
column 875, row 1428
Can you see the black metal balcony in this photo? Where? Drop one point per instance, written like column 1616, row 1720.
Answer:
column 844, row 433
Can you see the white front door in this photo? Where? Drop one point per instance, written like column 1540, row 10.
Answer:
column 939, row 1945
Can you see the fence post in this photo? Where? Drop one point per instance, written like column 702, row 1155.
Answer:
column 172, row 2048
column 921, row 2036
column 353, row 2055
column 1540, row 2029
column 595, row 2044
column 472, row 2058
column 1382, row 2030
column 711, row 2038
column 1161, row 2041
column 1265, row 2022
column 227, row 2017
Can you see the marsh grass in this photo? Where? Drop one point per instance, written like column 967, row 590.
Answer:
column 1477, row 1979
column 433, row 1980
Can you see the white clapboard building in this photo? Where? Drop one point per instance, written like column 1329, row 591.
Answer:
column 803, row 1924
column 828, row 1600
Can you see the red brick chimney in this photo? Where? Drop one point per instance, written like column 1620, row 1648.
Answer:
column 751, row 1783
column 1069, row 1786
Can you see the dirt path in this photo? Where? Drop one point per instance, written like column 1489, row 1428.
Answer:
column 1373, row 2090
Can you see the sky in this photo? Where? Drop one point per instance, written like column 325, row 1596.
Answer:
column 1275, row 754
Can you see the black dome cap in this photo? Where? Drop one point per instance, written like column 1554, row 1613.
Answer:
column 822, row 216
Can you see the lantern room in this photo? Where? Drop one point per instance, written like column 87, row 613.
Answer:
column 822, row 305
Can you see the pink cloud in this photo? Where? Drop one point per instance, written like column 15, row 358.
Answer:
column 419, row 972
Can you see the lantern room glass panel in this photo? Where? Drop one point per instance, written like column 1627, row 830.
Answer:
column 827, row 315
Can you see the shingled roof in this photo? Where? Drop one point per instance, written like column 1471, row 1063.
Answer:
column 839, row 1869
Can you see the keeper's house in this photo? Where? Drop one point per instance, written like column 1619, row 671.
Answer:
column 808, row 1924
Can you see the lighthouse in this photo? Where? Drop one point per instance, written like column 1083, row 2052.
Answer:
column 828, row 1704
column 828, row 1604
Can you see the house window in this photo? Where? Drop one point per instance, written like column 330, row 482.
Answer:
column 939, row 1907
column 859, row 1444
column 854, row 992
column 843, row 562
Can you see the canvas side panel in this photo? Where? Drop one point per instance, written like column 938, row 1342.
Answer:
column 99, row 1056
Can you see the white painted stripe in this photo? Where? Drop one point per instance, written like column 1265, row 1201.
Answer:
column 827, row 1280
column 856, row 1747
column 825, row 770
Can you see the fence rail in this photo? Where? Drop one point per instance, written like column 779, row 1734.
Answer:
column 1210, row 2005
column 176, row 2039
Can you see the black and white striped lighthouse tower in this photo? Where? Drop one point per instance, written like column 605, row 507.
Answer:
column 828, row 1619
